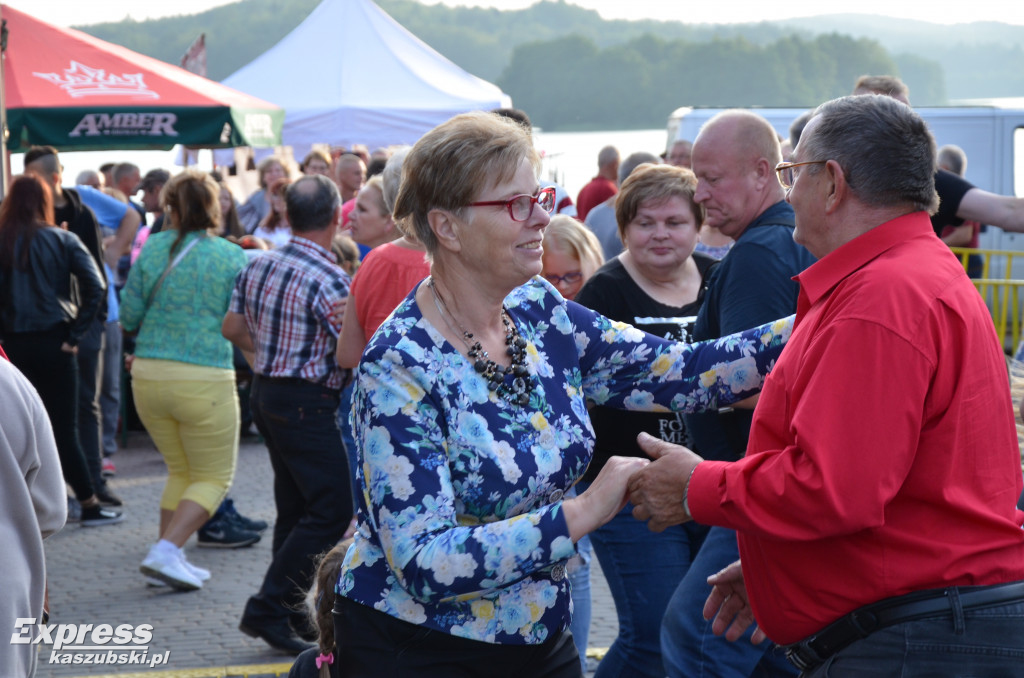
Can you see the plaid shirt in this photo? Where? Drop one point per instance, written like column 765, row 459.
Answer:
column 286, row 297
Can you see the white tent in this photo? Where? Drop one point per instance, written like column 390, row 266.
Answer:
column 351, row 74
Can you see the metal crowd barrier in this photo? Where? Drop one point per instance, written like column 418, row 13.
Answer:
column 1000, row 286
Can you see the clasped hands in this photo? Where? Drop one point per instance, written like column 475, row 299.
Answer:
column 656, row 491
column 654, row 487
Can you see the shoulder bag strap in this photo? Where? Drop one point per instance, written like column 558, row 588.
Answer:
column 170, row 266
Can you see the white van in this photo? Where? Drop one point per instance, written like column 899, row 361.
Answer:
column 990, row 132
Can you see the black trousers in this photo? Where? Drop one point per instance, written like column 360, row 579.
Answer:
column 312, row 490
column 54, row 373
column 90, row 378
column 373, row 644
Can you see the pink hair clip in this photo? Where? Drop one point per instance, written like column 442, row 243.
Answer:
column 324, row 659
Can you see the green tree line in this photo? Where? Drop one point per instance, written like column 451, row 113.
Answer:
column 570, row 82
column 565, row 65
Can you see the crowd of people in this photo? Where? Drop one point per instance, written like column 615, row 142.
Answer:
column 745, row 375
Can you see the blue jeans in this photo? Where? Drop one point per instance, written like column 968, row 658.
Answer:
column 688, row 646
column 982, row 643
column 345, row 428
column 579, row 586
column 642, row 569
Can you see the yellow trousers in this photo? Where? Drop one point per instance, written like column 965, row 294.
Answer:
column 191, row 413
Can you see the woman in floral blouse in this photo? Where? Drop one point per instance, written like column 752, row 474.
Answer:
column 471, row 423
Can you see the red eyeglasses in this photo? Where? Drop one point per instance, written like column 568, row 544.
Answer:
column 520, row 207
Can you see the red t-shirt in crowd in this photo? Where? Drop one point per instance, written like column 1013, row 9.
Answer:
column 594, row 193
column 883, row 454
column 386, row 276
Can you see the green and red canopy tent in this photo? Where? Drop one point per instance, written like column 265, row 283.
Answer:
column 67, row 89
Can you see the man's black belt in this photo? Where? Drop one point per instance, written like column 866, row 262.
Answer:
column 815, row 650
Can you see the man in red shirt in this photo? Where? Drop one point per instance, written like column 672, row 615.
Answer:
column 875, row 507
column 602, row 186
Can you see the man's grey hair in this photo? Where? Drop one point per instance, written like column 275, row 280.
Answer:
column 634, row 160
column 953, row 158
column 124, row 169
column 607, row 155
column 885, row 149
column 392, row 177
column 88, row 177
column 796, row 128
column 311, row 203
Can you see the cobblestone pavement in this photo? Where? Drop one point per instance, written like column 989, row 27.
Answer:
column 94, row 579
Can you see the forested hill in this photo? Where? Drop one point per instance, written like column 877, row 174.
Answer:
column 571, row 69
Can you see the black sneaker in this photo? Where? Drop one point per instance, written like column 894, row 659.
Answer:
column 95, row 516
column 107, row 496
column 247, row 524
column 225, row 534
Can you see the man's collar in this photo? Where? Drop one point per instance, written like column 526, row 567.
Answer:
column 779, row 214
column 300, row 240
column 821, row 277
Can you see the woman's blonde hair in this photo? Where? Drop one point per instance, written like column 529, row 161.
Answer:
column 347, row 253
column 452, row 164
column 191, row 202
column 569, row 235
column 377, row 182
column 653, row 184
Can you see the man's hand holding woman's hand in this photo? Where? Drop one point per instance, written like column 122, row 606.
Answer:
column 603, row 499
column 657, row 490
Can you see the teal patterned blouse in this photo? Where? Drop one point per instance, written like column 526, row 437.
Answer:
column 460, row 519
column 183, row 323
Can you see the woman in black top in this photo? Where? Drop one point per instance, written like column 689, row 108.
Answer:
column 50, row 291
column 656, row 284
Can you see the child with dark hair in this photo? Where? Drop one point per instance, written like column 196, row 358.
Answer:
column 322, row 661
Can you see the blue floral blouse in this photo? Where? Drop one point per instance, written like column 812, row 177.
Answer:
column 460, row 519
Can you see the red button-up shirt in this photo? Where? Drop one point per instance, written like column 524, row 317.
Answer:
column 883, row 455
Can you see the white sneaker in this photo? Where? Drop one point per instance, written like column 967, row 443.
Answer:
column 168, row 566
column 199, row 573
column 155, row 583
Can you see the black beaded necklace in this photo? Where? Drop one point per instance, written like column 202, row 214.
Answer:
column 519, row 389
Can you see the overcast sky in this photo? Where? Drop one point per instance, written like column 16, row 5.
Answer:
column 79, row 12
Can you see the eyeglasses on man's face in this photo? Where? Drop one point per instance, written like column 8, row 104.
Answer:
column 784, row 170
column 520, row 207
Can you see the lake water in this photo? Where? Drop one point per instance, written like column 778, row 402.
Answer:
column 570, row 158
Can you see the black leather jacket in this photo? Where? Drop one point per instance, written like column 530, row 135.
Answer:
column 61, row 285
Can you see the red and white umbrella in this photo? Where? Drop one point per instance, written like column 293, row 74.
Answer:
column 67, row 89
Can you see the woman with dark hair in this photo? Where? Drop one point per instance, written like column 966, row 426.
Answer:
column 230, row 226
column 50, row 291
column 183, row 376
